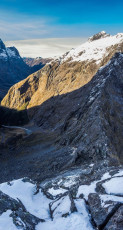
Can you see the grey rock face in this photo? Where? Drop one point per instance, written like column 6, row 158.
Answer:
column 116, row 222
column 21, row 217
column 101, row 215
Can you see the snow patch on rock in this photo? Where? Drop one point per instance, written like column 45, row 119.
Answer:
column 114, row 186
column 6, row 221
column 36, row 204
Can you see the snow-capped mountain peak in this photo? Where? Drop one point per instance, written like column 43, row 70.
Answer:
column 9, row 52
column 12, row 52
column 95, row 49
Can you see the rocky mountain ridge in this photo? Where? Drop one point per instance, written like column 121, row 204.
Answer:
column 68, row 73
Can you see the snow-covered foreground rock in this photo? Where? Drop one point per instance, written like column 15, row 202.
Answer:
column 76, row 199
column 6, row 221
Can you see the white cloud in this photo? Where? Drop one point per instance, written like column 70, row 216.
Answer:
column 49, row 47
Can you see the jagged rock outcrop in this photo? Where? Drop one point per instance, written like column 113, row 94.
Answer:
column 99, row 35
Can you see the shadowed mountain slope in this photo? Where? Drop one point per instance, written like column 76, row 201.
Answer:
column 90, row 118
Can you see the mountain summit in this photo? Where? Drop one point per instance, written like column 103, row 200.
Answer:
column 99, row 35
column 7, row 53
column 12, row 68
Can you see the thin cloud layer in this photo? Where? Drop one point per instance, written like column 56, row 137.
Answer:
column 45, row 47
column 23, row 27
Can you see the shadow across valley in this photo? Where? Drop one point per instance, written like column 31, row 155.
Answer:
column 77, row 127
column 12, row 116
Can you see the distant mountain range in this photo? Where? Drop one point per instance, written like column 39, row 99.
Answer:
column 36, row 63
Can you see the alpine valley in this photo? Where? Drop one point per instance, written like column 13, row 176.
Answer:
column 61, row 138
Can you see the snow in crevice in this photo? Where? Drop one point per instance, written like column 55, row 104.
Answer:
column 77, row 220
column 74, row 221
column 61, row 207
column 55, row 192
column 105, row 197
column 112, row 186
column 12, row 53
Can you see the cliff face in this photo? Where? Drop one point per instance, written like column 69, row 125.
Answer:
column 70, row 72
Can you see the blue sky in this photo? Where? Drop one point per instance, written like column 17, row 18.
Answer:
column 34, row 19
